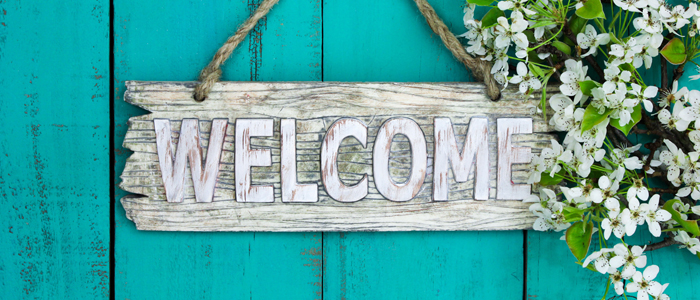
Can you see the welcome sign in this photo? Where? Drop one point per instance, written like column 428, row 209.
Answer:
column 318, row 156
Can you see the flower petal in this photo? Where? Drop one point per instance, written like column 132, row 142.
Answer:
column 650, row 272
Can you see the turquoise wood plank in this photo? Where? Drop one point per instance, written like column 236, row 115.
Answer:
column 389, row 41
column 553, row 274
column 368, row 40
column 173, row 40
column 54, row 150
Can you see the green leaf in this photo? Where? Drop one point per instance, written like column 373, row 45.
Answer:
column 591, row 9
column 691, row 226
column 546, row 180
column 530, row 38
column 628, row 67
column 543, row 23
column 532, row 55
column 636, row 116
column 563, row 47
column 591, row 118
column 536, row 70
column 588, row 86
column 578, row 238
column 577, row 24
column 674, row 51
column 572, row 214
column 480, row 2
column 490, row 19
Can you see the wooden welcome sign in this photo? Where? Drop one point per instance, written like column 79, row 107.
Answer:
column 319, row 156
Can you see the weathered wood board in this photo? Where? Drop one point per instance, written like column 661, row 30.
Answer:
column 310, row 113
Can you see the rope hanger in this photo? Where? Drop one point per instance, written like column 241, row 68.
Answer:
column 481, row 69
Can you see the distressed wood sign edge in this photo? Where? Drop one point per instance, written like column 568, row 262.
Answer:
column 312, row 107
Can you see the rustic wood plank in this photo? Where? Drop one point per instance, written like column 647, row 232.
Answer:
column 54, row 157
column 255, row 111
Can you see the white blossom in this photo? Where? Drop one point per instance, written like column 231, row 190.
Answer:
column 600, row 259
column 515, row 5
column 637, row 215
column 616, row 223
column 668, row 97
column 548, row 211
column 613, row 77
column 692, row 189
column 581, row 161
column 500, row 60
column 691, row 174
column 624, row 52
column 650, row 44
column 674, row 159
column 644, row 285
column 628, row 259
column 638, row 190
column 691, row 113
column 674, row 120
column 617, row 281
column 526, row 79
column 589, row 39
column 650, row 22
column 631, row 5
column 594, row 136
column 575, row 73
column 663, row 296
column 677, row 17
column 563, row 112
column 692, row 244
column 654, row 215
column 616, row 101
column 643, row 95
column 606, row 190
column 505, row 33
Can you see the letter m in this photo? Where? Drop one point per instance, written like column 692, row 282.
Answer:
column 447, row 154
column 173, row 165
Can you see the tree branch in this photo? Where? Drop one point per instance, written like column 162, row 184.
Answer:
column 665, row 243
column 664, row 74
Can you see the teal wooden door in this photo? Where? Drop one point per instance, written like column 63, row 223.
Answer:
column 64, row 235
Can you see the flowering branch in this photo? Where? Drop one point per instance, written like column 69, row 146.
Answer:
column 596, row 181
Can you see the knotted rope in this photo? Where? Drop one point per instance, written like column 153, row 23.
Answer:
column 481, row 69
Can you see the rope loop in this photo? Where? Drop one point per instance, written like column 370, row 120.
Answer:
column 481, row 69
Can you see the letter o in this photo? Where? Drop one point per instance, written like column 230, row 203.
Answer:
column 419, row 160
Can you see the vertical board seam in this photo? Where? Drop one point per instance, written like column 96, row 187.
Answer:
column 524, row 264
column 112, row 156
column 323, row 245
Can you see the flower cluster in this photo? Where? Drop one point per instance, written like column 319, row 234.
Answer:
column 595, row 180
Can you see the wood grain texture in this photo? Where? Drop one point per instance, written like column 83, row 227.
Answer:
column 54, row 161
column 390, row 110
column 174, row 44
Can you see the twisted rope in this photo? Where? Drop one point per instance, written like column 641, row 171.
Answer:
column 480, row 69
column 212, row 72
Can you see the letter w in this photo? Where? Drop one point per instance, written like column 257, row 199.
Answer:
column 173, row 167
